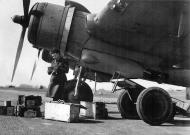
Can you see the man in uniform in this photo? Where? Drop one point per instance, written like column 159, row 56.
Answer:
column 59, row 67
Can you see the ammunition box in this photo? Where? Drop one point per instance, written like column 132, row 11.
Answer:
column 2, row 110
column 30, row 113
column 30, row 103
column 96, row 110
column 62, row 112
column 10, row 110
column 90, row 112
column 22, row 111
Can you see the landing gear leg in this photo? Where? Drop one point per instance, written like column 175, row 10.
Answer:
column 78, row 82
column 78, row 90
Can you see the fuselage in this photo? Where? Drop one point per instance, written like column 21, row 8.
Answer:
column 140, row 39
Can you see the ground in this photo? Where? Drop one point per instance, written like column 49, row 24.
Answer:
column 114, row 125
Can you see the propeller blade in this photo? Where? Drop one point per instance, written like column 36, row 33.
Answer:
column 26, row 4
column 35, row 65
column 19, row 50
column 33, row 70
column 39, row 51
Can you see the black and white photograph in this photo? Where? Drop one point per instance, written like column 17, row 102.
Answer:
column 95, row 67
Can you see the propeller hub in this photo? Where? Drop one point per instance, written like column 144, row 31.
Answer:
column 20, row 20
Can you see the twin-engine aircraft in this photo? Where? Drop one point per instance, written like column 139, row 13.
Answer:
column 128, row 39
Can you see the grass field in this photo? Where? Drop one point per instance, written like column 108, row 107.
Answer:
column 11, row 125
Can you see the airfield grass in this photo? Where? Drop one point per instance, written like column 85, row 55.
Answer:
column 39, row 126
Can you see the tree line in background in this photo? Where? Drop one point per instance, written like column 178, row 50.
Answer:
column 25, row 86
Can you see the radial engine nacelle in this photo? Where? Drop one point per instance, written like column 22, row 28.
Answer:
column 50, row 25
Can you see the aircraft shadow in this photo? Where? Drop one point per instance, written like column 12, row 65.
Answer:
column 113, row 118
column 90, row 121
column 99, row 120
column 181, row 123
column 178, row 123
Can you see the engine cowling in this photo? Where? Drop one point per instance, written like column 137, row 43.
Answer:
column 62, row 27
column 46, row 25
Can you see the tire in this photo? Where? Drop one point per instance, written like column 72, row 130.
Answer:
column 126, row 107
column 85, row 92
column 154, row 106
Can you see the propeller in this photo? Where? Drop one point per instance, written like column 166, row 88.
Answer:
column 24, row 22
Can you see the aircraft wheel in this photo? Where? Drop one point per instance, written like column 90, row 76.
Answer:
column 126, row 107
column 154, row 106
column 85, row 92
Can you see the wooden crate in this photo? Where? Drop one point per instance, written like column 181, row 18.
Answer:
column 62, row 112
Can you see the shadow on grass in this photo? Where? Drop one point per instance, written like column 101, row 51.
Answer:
column 113, row 118
column 90, row 121
column 180, row 123
column 81, row 120
column 99, row 120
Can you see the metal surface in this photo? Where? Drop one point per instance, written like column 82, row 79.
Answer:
column 49, row 26
column 110, row 64
column 66, row 29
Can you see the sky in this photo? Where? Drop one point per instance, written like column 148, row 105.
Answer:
column 9, row 38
